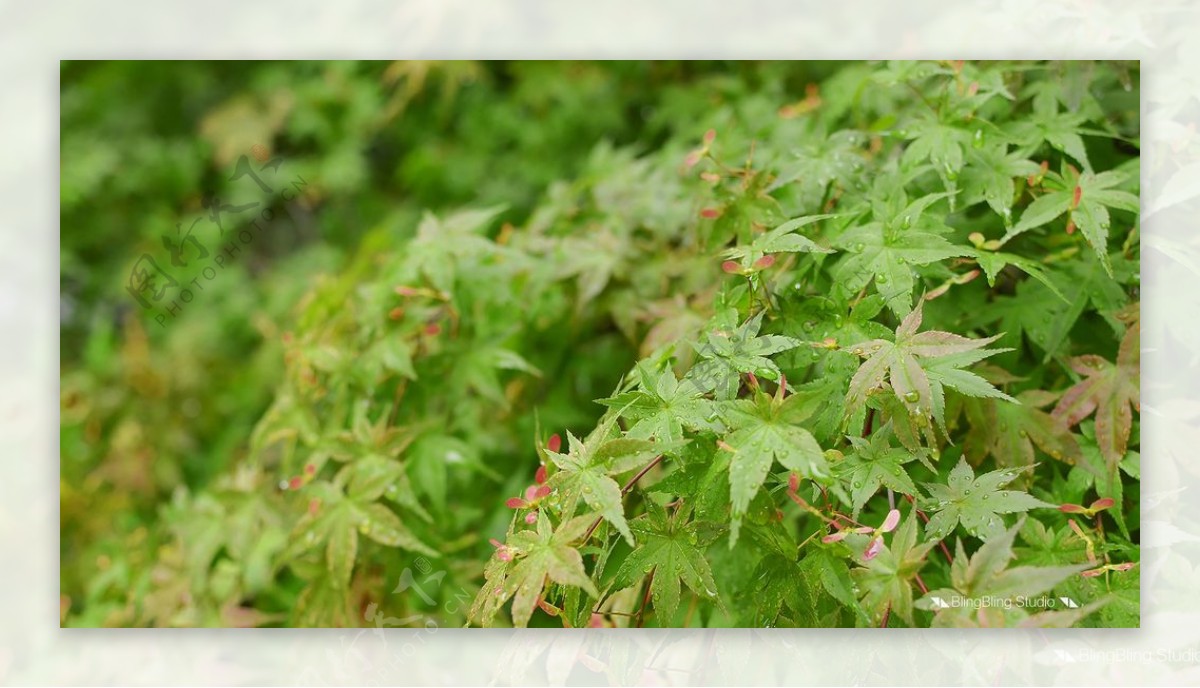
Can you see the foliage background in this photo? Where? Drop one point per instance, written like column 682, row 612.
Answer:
column 171, row 518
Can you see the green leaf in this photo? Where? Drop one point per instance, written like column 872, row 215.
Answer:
column 782, row 239
column 381, row 524
column 342, row 547
column 889, row 258
column 1086, row 197
column 1045, row 316
column 540, row 555
column 874, row 464
column 586, row 467
column 727, row 355
column 763, row 431
column 886, row 580
column 976, row 502
column 673, row 549
column 662, row 408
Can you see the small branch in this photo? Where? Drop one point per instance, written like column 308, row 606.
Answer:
column 624, row 491
column 868, row 422
column 921, row 584
column 941, row 543
column 887, row 612
column 633, row 481
column 646, row 597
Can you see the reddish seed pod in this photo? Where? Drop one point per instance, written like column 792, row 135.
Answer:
column 793, row 483
column 514, row 503
column 540, row 476
column 1078, row 195
column 433, row 329
column 691, row 159
column 396, row 313
column 1070, row 226
column 554, row 443
column 873, row 549
column 314, row 505
column 765, row 262
column 1072, row 509
column 295, row 483
column 731, row 266
column 710, row 136
column 710, row 213
column 891, row 521
column 531, row 517
column 1102, row 504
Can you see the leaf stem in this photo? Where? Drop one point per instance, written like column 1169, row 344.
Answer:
column 941, row 543
column 624, row 491
column 646, row 597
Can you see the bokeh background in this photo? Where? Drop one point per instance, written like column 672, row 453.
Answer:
column 262, row 187
column 33, row 650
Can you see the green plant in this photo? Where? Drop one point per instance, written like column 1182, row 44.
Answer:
column 851, row 357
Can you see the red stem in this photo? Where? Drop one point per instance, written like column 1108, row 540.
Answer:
column 624, row 491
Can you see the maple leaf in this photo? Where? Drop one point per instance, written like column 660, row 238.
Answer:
column 726, row 355
column 1046, row 124
column 663, row 407
column 834, row 158
column 762, row 431
column 885, row 580
column 886, row 251
column 1048, row 313
column 1086, row 197
column 782, row 239
column 873, row 464
column 985, row 580
column 918, row 365
column 976, row 502
column 343, row 516
column 1111, row 391
column 1009, row 432
column 541, row 555
column 992, row 262
column 673, row 549
column 586, row 467
column 941, row 144
column 989, row 175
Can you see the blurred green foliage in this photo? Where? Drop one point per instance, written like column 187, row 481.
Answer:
column 472, row 253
